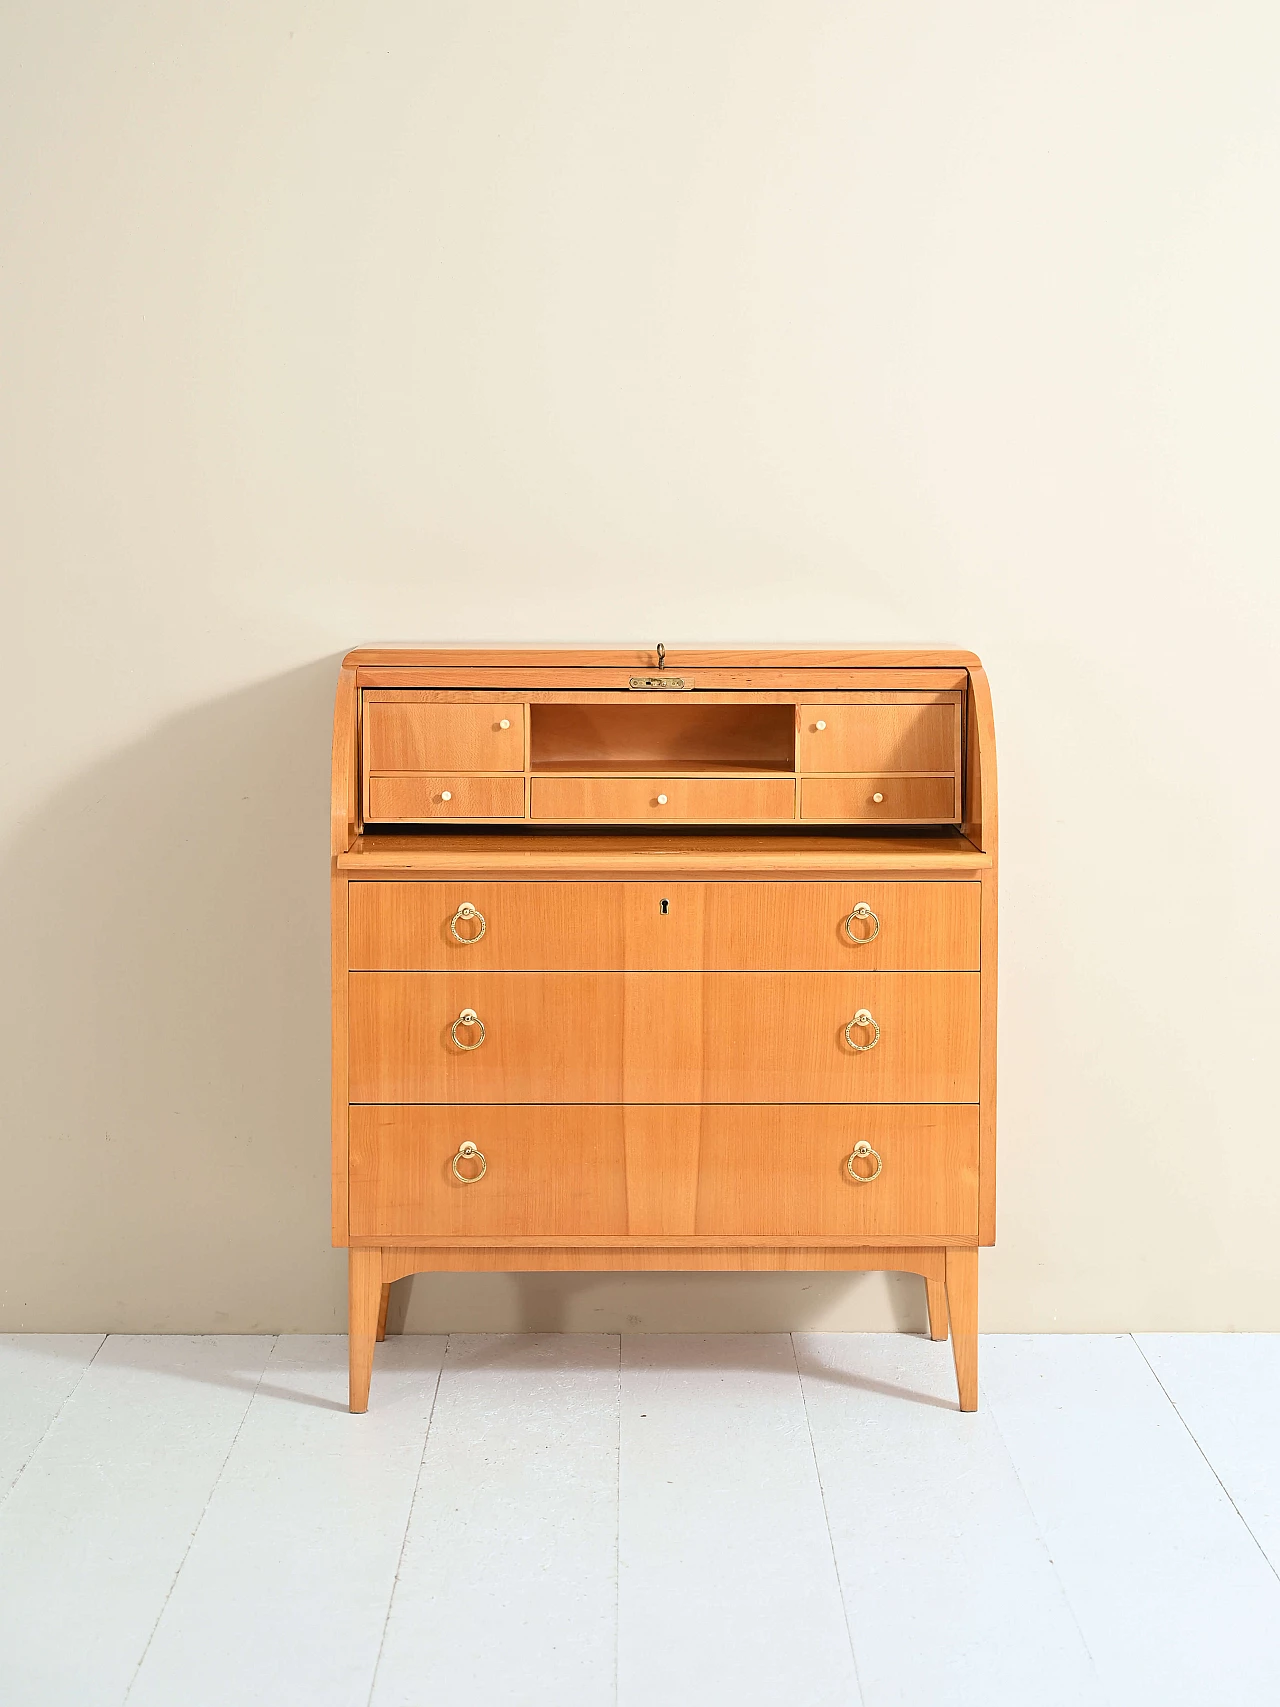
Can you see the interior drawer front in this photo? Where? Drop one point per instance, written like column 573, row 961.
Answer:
column 547, row 1170
column 402, row 735
column 770, row 1170
column 409, row 927
column 607, row 1037
column 878, row 738
column 886, row 799
column 663, row 800
column 414, row 799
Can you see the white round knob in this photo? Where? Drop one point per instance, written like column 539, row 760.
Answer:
column 819, row 724
column 446, row 795
column 662, row 800
column 505, row 724
column 877, row 798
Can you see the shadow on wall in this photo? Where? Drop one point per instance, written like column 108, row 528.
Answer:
column 165, row 1055
column 165, row 1033
column 657, row 1303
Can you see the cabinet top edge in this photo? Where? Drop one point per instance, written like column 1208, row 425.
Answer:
column 676, row 659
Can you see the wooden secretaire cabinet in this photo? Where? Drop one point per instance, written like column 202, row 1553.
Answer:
column 664, row 962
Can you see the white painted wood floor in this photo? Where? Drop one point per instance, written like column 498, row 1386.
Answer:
column 666, row 1520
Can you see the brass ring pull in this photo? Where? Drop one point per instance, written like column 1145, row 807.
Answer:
column 861, row 1019
column 467, row 911
column 468, row 1153
column 860, row 1151
column 468, row 1016
column 861, row 911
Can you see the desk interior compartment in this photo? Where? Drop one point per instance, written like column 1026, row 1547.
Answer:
column 646, row 737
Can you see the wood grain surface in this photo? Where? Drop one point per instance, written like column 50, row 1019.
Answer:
column 763, row 1170
column 409, row 927
column 663, row 1037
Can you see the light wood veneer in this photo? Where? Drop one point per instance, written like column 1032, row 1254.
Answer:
column 879, row 799
column 663, row 1037
column 424, row 795
column 664, row 1078
column 663, row 799
column 903, row 736
column 769, row 1172
column 621, row 926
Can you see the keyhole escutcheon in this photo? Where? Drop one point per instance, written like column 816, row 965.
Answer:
column 664, row 906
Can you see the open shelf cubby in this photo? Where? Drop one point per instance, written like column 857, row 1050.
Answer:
column 640, row 738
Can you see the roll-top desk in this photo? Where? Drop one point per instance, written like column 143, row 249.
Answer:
column 648, row 961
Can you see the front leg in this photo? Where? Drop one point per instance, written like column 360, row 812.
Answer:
column 962, row 1306
column 364, row 1300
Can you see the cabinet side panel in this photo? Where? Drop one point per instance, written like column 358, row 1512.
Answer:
column 981, row 826
column 987, row 1067
column 344, row 827
column 339, row 1111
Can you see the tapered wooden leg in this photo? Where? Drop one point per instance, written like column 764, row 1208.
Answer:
column 382, row 1313
column 962, row 1306
column 936, row 1293
column 364, row 1298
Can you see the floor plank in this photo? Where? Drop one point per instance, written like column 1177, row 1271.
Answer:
column 1226, row 1389
column 96, row 1528
column 949, row 1587
column 507, row 1590
column 283, row 1596
column 728, row 1586
column 1176, row 1603
column 38, row 1374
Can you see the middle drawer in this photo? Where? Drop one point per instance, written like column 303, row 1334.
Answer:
column 663, row 1037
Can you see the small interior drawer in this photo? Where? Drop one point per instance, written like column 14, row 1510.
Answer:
column 906, row 737
column 413, row 799
column 658, row 800
column 417, row 735
column 884, row 799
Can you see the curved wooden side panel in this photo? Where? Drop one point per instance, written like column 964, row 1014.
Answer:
column 344, row 826
column 980, row 765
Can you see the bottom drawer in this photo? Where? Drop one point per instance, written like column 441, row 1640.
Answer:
column 772, row 1169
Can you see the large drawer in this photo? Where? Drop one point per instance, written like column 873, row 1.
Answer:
column 775, row 1171
column 606, row 1037
column 408, row 927
column 664, row 800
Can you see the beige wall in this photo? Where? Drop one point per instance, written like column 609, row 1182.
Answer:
column 694, row 319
